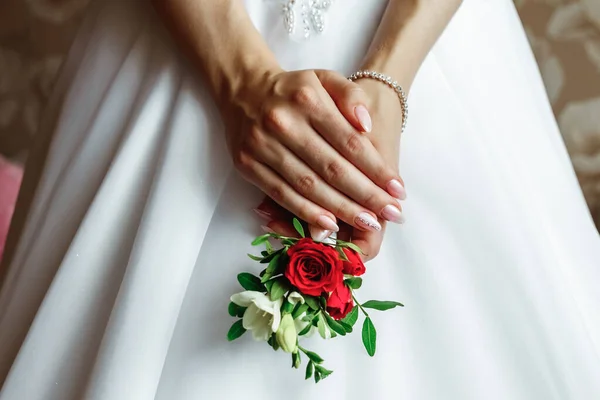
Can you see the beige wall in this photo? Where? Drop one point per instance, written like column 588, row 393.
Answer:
column 565, row 36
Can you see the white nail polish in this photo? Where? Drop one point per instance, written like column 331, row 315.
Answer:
column 318, row 234
column 367, row 222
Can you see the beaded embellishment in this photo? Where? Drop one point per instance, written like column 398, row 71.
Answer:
column 302, row 18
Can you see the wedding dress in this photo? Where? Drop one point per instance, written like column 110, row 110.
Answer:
column 133, row 225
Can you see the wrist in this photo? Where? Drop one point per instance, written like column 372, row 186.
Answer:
column 403, row 73
column 244, row 78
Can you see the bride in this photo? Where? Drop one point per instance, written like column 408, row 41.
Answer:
column 134, row 219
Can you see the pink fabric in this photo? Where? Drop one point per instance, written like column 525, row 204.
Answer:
column 10, row 181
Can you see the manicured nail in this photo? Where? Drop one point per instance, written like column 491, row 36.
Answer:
column 367, row 221
column 327, row 223
column 392, row 214
column 395, row 188
column 267, row 229
column 318, row 234
column 364, row 118
column 263, row 214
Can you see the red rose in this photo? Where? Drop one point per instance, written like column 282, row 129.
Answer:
column 339, row 303
column 314, row 268
column 354, row 266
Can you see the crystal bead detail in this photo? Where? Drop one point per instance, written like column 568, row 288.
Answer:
column 302, row 18
column 389, row 82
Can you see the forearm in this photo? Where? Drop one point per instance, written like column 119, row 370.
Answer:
column 407, row 32
column 221, row 41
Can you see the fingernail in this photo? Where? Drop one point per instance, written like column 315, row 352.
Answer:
column 267, row 229
column 364, row 118
column 318, row 234
column 392, row 214
column 367, row 221
column 395, row 188
column 327, row 223
column 262, row 214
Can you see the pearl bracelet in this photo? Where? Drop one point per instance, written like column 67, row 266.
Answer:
column 391, row 83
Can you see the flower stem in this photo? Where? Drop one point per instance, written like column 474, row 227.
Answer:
column 359, row 306
column 302, row 349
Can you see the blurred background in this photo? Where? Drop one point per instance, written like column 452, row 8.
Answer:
column 35, row 36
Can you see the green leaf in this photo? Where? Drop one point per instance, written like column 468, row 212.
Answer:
column 269, row 286
column 354, row 247
column 296, row 361
column 312, row 302
column 317, row 376
column 272, row 267
column 323, row 302
column 274, row 263
column 315, row 321
column 347, row 327
column 235, row 310
column 289, row 242
column 309, row 370
column 314, row 357
column 321, row 327
column 261, row 239
column 369, row 336
column 268, row 247
column 264, row 253
column 298, row 227
column 343, row 255
column 255, row 258
column 354, row 283
column 236, row 330
column 352, row 317
column 382, row 305
column 278, row 289
column 306, row 329
column 251, row 282
column 268, row 258
column 323, row 371
column 273, row 342
column 300, row 308
column 333, row 324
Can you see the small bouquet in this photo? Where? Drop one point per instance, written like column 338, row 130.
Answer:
column 307, row 286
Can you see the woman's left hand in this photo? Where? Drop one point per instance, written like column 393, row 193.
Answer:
column 386, row 114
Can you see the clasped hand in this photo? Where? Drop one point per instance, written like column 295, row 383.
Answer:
column 300, row 137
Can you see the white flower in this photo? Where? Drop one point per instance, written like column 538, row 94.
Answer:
column 295, row 298
column 262, row 316
column 287, row 336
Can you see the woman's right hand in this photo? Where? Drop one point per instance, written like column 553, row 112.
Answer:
column 297, row 136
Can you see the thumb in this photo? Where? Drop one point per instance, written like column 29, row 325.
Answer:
column 349, row 97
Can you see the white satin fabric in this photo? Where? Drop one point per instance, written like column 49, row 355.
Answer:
column 119, row 285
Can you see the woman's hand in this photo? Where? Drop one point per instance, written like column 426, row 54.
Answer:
column 297, row 136
column 385, row 138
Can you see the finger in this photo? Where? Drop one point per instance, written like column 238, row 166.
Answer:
column 357, row 149
column 356, row 199
column 350, row 99
column 270, row 210
column 282, row 227
column 281, row 192
column 310, row 185
column 369, row 242
column 332, row 124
